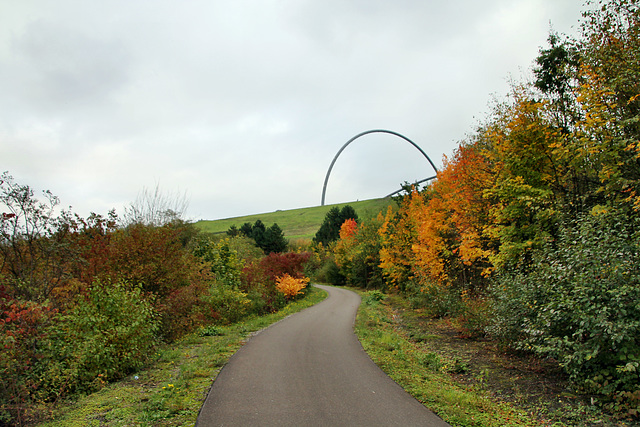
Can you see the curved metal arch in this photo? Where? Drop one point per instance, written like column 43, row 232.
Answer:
column 326, row 179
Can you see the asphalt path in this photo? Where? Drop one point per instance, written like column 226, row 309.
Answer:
column 310, row 370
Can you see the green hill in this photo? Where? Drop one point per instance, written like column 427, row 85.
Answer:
column 297, row 224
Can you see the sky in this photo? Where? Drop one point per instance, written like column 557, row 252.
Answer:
column 240, row 106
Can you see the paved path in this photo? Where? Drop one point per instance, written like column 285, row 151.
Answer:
column 310, row 370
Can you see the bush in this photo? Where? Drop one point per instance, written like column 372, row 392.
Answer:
column 372, row 297
column 23, row 331
column 183, row 311
column 110, row 333
column 580, row 306
column 228, row 304
column 289, row 286
column 330, row 273
column 475, row 316
column 259, row 278
column 437, row 300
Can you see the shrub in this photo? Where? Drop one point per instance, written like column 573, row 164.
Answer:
column 183, row 311
column 259, row 278
column 580, row 305
column 152, row 257
column 290, row 286
column 110, row 333
column 330, row 273
column 228, row 304
column 23, row 333
column 437, row 300
column 372, row 297
column 475, row 316
column 224, row 262
column 278, row 264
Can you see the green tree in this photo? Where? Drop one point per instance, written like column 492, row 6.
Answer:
column 246, row 229
column 274, row 240
column 233, row 231
column 268, row 239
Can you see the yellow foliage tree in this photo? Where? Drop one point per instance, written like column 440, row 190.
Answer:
column 290, row 286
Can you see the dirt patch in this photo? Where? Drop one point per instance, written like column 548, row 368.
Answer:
column 537, row 385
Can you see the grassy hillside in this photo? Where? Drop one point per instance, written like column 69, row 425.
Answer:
column 297, row 224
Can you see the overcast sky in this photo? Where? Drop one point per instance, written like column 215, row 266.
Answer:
column 242, row 105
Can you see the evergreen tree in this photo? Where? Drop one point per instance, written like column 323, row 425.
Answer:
column 274, row 240
column 268, row 239
column 233, row 231
column 246, row 229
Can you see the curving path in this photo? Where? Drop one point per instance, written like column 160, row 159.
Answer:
column 310, row 370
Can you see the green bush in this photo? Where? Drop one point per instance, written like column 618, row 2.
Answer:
column 329, row 273
column 580, row 305
column 436, row 300
column 372, row 297
column 109, row 333
column 230, row 305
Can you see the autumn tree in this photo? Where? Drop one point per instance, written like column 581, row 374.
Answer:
column 357, row 253
column 330, row 228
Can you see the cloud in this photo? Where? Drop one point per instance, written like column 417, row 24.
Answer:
column 243, row 104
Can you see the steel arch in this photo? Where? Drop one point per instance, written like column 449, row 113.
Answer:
column 326, row 179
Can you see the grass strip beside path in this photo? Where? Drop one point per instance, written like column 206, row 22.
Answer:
column 427, row 375
column 171, row 391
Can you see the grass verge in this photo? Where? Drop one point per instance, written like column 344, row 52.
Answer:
column 171, row 391
column 425, row 375
column 467, row 382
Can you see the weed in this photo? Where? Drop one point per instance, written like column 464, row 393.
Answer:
column 210, row 331
column 372, row 297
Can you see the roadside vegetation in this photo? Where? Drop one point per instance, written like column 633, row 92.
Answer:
column 171, row 389
column 85, row 302
column 529, row 238
column 470, row 382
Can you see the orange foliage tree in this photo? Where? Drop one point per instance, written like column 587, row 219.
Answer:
column 437, row 236
column 291, row 286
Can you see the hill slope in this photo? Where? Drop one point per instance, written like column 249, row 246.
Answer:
column 297, row 224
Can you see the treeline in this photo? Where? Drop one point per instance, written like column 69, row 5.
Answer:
column 86, row 301
column 530, row 234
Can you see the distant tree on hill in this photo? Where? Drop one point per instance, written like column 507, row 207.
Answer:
column 330, row 229
column 233, row 231
column 273, row 240
column 268, row 239
column 246, row 229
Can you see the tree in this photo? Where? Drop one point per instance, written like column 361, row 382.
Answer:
column 270, row 239
column 31, row 240
column 357, row 253
column 156, row 208
column 274, row 240
column 330, row 229
column 233, row 231
column 246, row 229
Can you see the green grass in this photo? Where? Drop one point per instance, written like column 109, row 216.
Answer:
column 428, row 376
column 297, row 224
column 171, row 391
